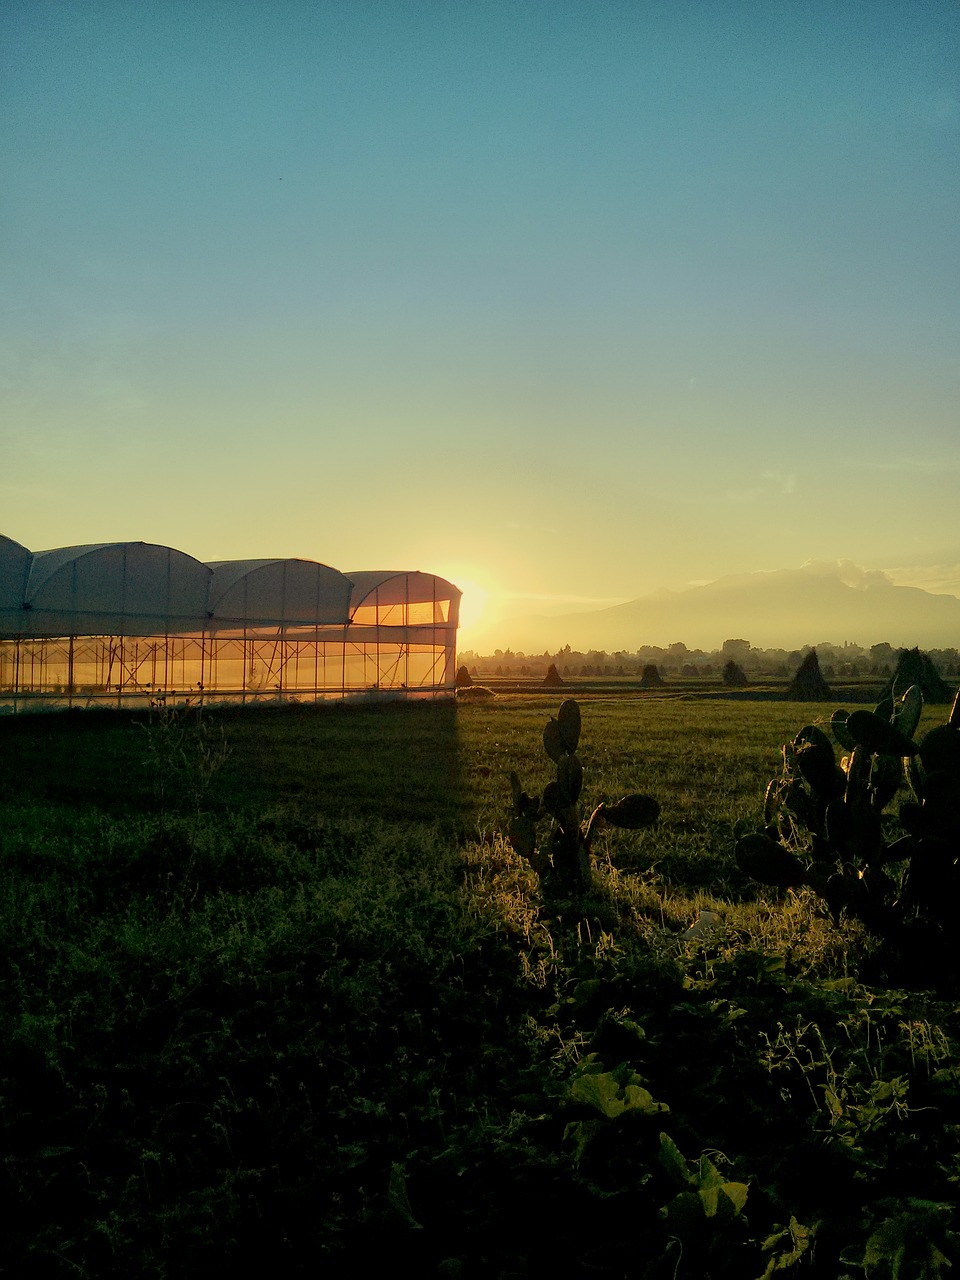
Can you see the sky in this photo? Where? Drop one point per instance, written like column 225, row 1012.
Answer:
column 568, row 302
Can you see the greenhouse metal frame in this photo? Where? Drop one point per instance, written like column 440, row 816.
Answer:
column 127, row 623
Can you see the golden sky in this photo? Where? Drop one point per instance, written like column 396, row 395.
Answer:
column 565, row 302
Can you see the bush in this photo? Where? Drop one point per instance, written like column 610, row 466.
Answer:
column 916, row 668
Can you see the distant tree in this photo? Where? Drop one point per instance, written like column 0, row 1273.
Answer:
column 553, row 679
column 733, row 675
column 651, row 677
column 736, row 650
column 914, row 667
column 463, row 679
column 882, row 654
column 808, row 685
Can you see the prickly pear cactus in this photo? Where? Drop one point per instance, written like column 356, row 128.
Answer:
column 826, row 823
column 563, row 860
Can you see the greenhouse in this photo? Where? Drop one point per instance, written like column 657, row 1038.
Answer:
column 128, row 622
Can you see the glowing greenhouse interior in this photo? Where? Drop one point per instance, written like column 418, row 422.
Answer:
column 126, row 622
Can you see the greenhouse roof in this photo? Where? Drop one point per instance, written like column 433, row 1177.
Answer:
column 141, row 588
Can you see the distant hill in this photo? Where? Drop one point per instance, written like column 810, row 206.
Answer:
column 822, row 601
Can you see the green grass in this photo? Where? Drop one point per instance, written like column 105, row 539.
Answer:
column 301, row 1002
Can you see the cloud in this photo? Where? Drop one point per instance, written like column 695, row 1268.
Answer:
column 847, row 572
column 941, row 579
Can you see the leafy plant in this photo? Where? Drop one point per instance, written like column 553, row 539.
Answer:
column 703, row 1194
column 608, row 1096
column 824, row 821
column 564, row 859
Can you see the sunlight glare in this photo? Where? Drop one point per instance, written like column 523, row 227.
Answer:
column 476, row 601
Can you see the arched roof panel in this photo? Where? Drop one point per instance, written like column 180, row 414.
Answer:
column 134, row 588
column 287, row 592
column 395, row 586
column 14, row 570
column 403, row 598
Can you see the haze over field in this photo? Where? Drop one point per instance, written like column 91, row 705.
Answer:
column 571, row 303
column 785, row 609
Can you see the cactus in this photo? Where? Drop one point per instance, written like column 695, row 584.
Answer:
column 823, row 822
column 563, row 861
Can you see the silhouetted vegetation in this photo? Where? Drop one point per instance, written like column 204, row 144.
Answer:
column 808, row 685
column 734, row 676
column 824, row 827
column 301, row 999
column 565, row 863
column 916, row 668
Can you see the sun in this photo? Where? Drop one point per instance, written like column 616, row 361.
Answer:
column 473, row 604
column 478, row 595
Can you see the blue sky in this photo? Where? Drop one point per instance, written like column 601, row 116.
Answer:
column 565, row 300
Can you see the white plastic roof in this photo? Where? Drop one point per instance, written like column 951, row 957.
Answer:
column 139, row 588
column 399, row 586
column 294, row 592
column 14, row 568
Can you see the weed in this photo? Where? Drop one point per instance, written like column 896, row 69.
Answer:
column 184, row 753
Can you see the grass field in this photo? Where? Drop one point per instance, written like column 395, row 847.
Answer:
column 276, row 988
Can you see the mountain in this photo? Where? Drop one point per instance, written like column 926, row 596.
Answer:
column 784, row 609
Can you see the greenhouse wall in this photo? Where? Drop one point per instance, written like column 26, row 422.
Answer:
column 128, row 623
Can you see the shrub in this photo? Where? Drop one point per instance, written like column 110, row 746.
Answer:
column 916, row 668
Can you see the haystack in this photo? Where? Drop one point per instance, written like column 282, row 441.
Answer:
column 808, row 685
